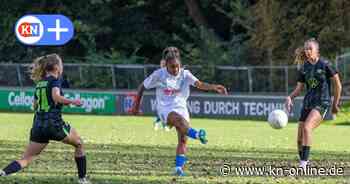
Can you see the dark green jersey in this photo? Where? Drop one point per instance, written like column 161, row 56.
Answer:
column 318, row 84
column 43, row 95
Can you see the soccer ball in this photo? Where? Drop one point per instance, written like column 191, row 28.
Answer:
column 277, row 119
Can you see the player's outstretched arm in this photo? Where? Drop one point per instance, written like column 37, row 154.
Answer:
column 295, row 93
column 337, row 93
column 211, row 87
column 137, row 102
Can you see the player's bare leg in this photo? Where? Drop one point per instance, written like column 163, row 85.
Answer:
column 183, row 130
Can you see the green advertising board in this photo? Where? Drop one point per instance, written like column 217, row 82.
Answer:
column 93, row 102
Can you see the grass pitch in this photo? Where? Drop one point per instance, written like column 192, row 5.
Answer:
column 126, row 149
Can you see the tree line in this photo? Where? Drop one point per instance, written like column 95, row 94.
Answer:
column 208, row 32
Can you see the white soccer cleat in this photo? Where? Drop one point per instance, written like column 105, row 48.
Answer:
column 83, row 181
column 2, row 173
column 303, row 164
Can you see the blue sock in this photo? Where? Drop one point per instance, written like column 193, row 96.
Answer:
column 192, row 133
column 13, row 167
column 180, row 160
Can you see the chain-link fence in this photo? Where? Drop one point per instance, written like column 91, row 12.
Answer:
column 249, row 79
column 278, row 79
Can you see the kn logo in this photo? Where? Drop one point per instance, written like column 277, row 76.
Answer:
column 44, row 29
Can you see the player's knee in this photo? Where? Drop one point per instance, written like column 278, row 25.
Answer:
column 307, row 129
column 183, row 140
column 172, row 119
column 78, row 143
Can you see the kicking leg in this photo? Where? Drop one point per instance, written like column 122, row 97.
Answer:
column 181, row 125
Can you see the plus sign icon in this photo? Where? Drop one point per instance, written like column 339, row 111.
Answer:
column 44, row 29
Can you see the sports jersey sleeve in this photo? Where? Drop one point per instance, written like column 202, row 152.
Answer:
column 152, row 80
column 330, row 71
column 301, row 76
column 56, row 83
column 190, row 78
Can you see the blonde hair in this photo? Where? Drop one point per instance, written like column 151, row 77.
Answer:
column 41, row 65
column 300, row 56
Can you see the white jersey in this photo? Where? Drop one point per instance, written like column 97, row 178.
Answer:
column 171, row 91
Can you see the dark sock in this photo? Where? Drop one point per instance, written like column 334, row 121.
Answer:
column 13, row 167
column 300, row 154
column 81, row 165
column 305, row 153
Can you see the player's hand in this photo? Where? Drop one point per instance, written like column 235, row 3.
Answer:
column 77, row 102
column 220, row 89
column 288, row 103
column 335, row 108
column 135, row 108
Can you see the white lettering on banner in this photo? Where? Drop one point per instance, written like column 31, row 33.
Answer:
column 90, row 103
column 21, row 100
column 227, row 108
column 245, row 104
column 194, row 106
column 260, row 108
column 221, row 108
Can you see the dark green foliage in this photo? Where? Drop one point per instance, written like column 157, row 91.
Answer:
column 237, row 32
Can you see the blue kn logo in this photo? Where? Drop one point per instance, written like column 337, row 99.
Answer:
column 44, row 29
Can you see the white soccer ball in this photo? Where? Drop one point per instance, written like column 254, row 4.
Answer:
column 277, row 119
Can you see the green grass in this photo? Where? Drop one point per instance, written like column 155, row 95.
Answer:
column 125, row 149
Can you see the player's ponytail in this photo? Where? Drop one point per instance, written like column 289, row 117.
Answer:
column 42, row 65
column 300, row 56
column 37, row 69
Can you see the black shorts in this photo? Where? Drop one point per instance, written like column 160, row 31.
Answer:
column 49, row 127
column 306, row 111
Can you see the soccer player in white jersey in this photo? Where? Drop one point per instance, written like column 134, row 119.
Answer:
column 158, row 123
column 172, row 85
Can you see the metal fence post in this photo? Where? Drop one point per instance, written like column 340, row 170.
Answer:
column 113, row 77
column 19, row 76
column 80, row 74
column 250, row 80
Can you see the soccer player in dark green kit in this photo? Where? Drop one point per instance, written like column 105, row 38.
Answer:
column 48, row 124
column 316, row 74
